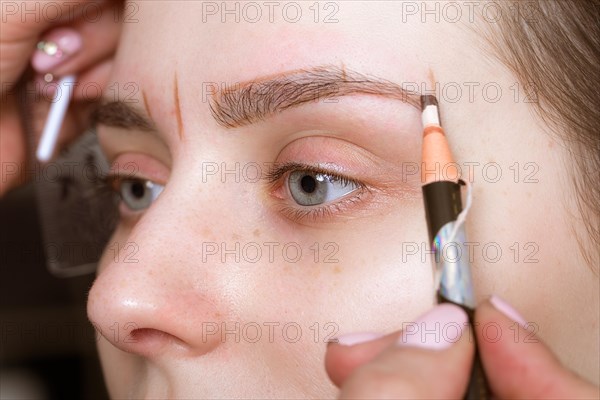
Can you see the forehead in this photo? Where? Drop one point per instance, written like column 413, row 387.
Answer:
column 208, row 45
column 222, row 41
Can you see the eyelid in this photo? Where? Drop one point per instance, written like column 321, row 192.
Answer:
column 116, row 142
column 140, row 166
column 325, row 212
column 276, row 173
column 115, row 180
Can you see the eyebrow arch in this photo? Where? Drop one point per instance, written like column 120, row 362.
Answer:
column 121, row 114
column 252, row 101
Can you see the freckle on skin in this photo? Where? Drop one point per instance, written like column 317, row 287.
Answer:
column 337, row 269
column 256, row 232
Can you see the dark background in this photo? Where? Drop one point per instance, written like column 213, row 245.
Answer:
column 45, row 336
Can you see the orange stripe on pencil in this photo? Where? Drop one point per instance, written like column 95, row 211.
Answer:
column 436, row 155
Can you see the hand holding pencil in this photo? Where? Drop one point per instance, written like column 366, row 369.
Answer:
column 408, row 365
column 443, row 354
column 72, row 50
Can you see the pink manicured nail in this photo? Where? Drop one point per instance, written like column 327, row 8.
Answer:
column 507, row 310
column 355, row 338
column 55, row 48
column 438, row 329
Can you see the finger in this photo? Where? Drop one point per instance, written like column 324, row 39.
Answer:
column 22, row 23
column 80, row 45
column 348, row 352
column 12, row 146
column 436, row 346
column 517, row 363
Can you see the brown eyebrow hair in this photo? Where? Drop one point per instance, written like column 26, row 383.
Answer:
column 249, row 102
column 122, row 115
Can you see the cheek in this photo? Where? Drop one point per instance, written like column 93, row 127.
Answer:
column 367, row 274
column 524, row 247
column 350, row 278
column 300, row 286
column 390, row 275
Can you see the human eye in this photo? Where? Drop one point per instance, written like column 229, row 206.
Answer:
column 136, row 194
column 138, row 180
column 313, row 192
column 310, row 188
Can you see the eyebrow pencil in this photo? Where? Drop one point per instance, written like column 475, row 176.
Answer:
column 445, row 223
column 58, row 109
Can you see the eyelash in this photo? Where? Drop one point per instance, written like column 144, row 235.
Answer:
column 276, row 178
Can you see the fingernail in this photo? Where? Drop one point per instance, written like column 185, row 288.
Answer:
column 508, row 310
column 55, row 48
column 355, row 338
column 438, row 329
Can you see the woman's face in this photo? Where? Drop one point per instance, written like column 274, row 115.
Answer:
column 303, row 220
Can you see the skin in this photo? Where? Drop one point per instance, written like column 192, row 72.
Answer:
column 163, row 304
column 370, row 289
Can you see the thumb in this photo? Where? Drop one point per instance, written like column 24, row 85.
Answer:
column 517, row 363
column 402, row 365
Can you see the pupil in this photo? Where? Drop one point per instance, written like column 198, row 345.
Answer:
column 137, row 189
column 308, row 184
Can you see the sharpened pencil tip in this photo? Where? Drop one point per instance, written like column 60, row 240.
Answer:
column 428, row 100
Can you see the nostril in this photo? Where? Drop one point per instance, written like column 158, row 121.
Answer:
column 142, row 317
column 147, row 335
column 148, row 341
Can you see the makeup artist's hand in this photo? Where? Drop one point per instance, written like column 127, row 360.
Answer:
column 429, row 360
column 86, row 34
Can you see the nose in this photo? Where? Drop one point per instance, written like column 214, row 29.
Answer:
column 152, row 301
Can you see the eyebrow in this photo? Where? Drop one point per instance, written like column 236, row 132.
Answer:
column 249, row 102
column 252, row 101
column 122, row 114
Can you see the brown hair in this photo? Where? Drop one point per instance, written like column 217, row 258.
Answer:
column 554, row 47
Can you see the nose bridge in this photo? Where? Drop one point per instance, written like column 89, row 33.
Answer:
column 153, row 295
